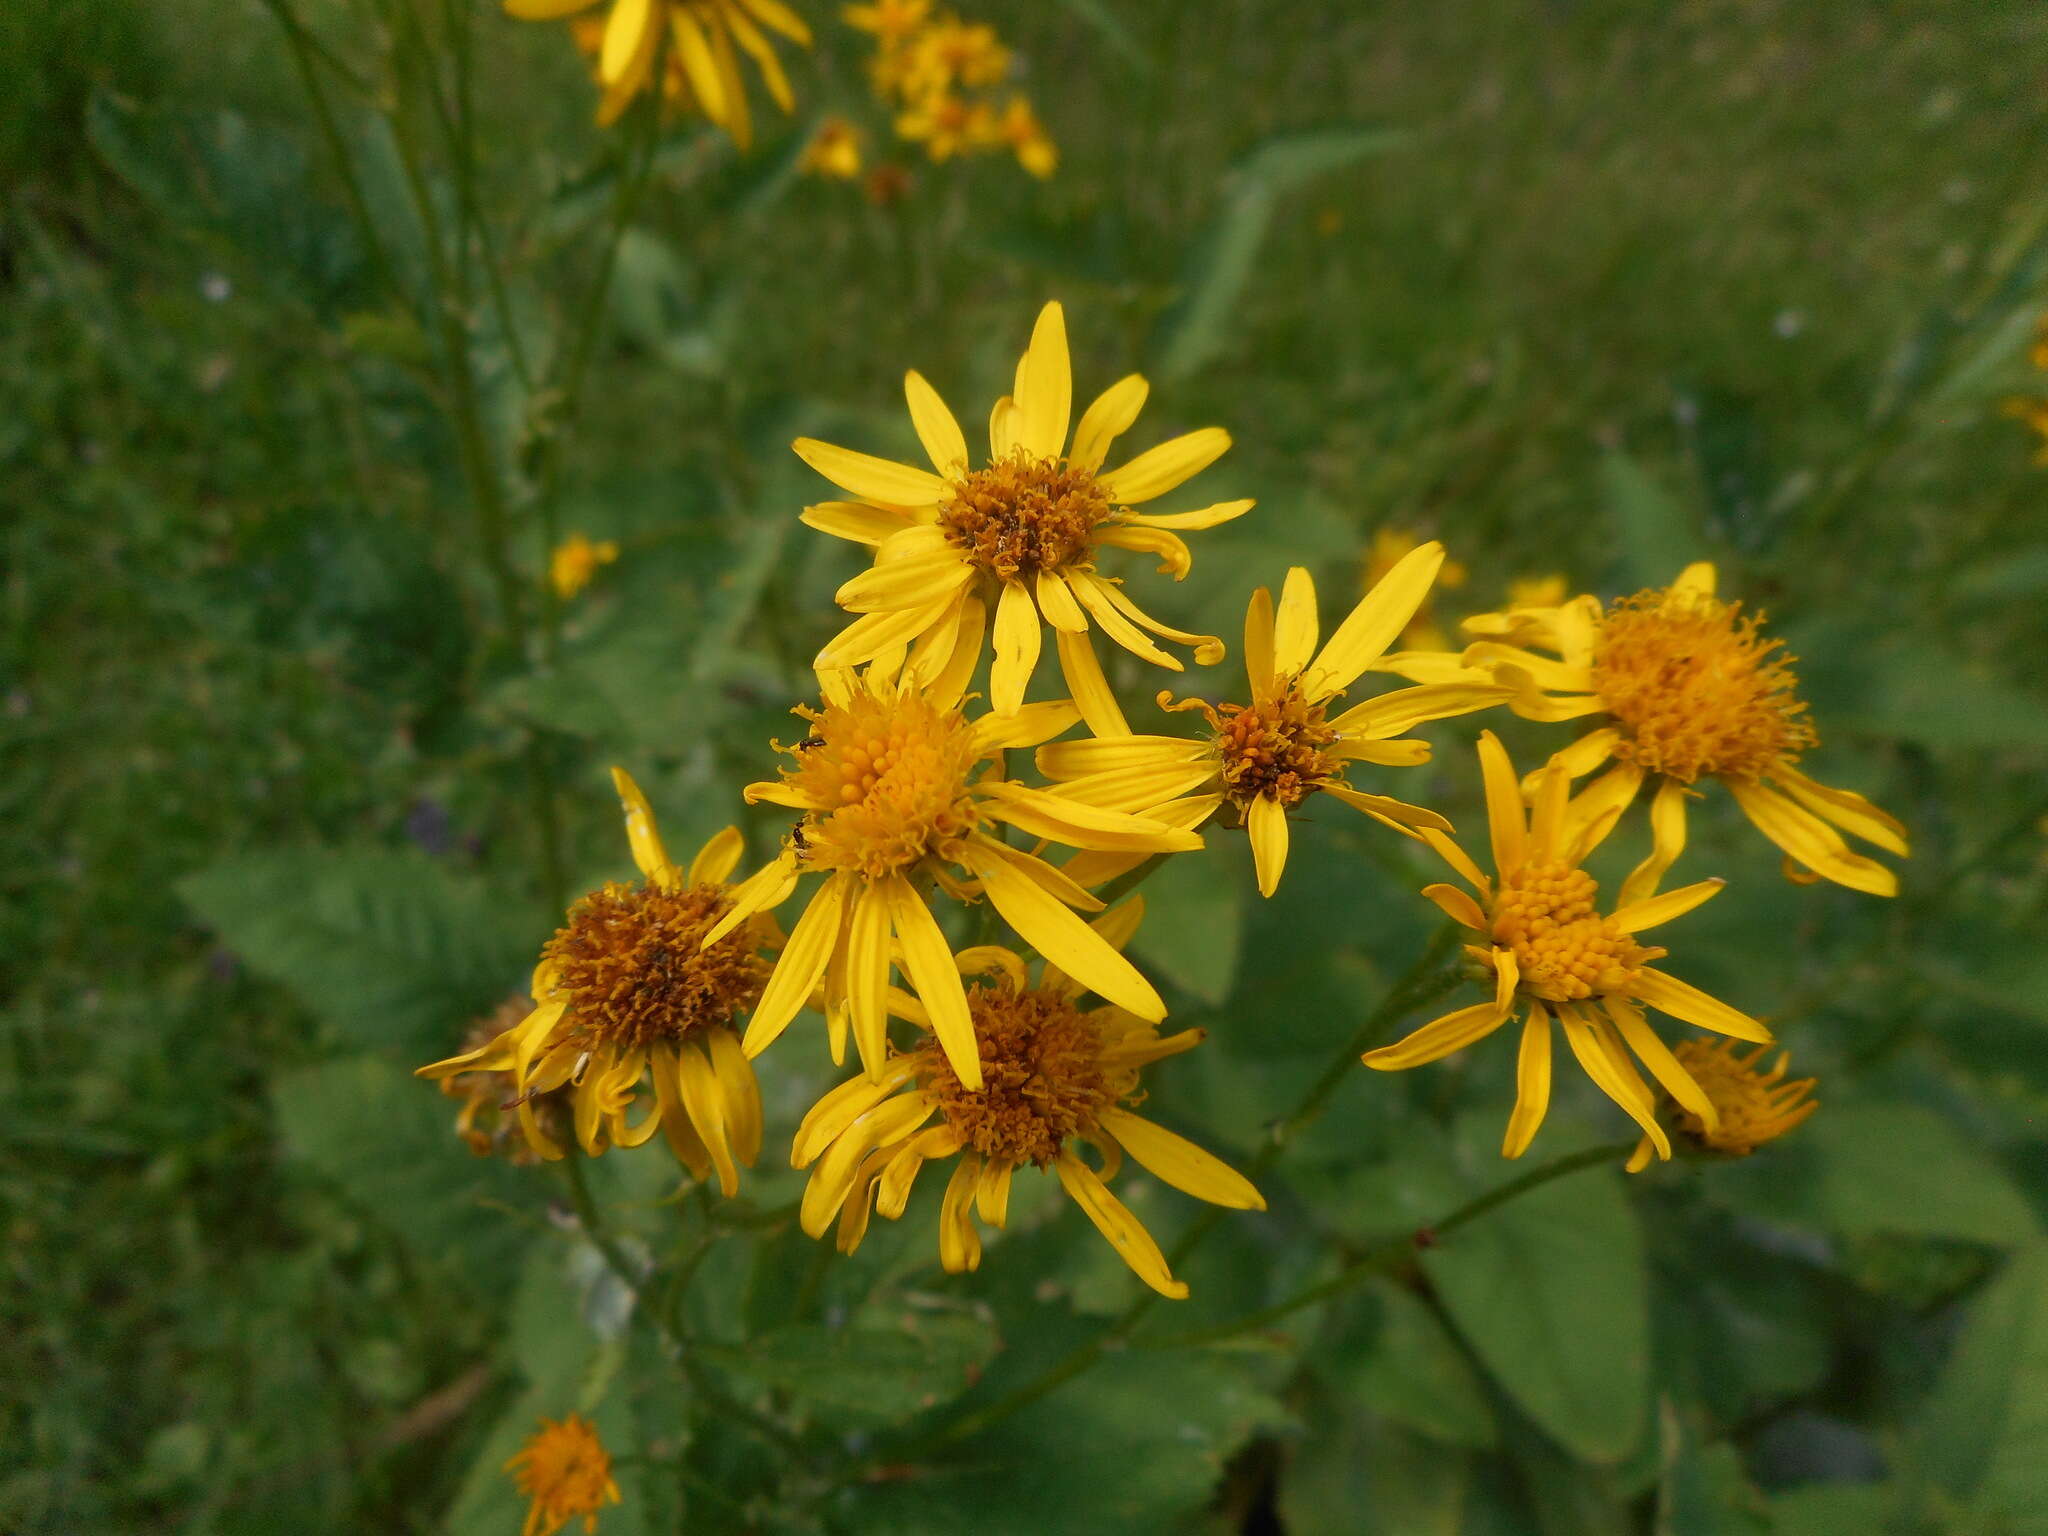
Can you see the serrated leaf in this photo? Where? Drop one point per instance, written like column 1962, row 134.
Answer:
column 873, row 1373
column 390, row 948
column 1901, row 1168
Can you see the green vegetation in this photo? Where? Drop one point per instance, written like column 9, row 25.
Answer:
column 1593, row 288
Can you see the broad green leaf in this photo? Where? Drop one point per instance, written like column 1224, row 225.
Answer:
column 1356, row 1476
column 1701, row 1488
column 1983, row 1436
column 1099, row 15
column 1396, row 1358
column 1835, row 1509
column 1194, row 916
column 870, row 1372
column 1903, row 1169
column 1551, row 1291
column 388, row 947
column 1656, row 533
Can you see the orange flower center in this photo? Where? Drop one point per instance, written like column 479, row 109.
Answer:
column 1025, row 515
column 1547, row 915
column 1043, row 1077
column 1755, row 1106
column 894, row 774
column 1696, row 689
column 630, row 958
column 1276, row 747
column 565, row 1470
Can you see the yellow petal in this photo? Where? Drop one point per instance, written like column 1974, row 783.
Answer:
column 1107, row 418
column 717, row 859
column 853, row 520
column 1386, row 808
column 1648, row 913
column 1045, row 386
column 1588, row 752
column 625, row 32
column 992, row 1192
column 1171, row 548
column 1457, row 858
column 959, row 1243
column 773, row 13
column 1617, row 1080
column 919, row 584
column 694, row 49
column 1177, row 1161
column 1046, row 814
column 1394, row 713
column 928, row 962
column 1372, row 626
column 1532, row 1085
column 1089, row 688
column 1266, row 823
column 1005, row 422
column 841, row 1107
column 1114, row 1221
column 801, row 963
column 1509, row 832
column 1438, row 1038
column 882, row 481
column 642, row 833
column 762, row 52
column 936, row 427
column 1667, row 833
column 1057, row 603
column 872, row 634
column 1017, row 639
column 1258, row 645
column 1030, row 726
column 1457, row 906
column 1208, row 648
column 1845, row 808
column 1696, row 580
column 1295, row 628
column 1809, row 839
column 1664, row 1066
column 1547, row 814
column 1202, row 517
column 1050, row 927
column 867, row 977
column 698, row 1085
column 1689, row 1003
column 1139, row 790
column 545, row 10
column 1089, row 589
column 1158, row 470
column 1079, row 759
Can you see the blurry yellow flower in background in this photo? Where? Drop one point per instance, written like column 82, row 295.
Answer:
column 834, row 150
column 1538, row 591
column 565, row 1471
column 896, row 784
column 1020, row 128
column 1752, row 1106
column 1268, row 756
column 1390, row 546
column 1054, row 1075
column 889, row 22
column 1021, row 533
column 1687, row 687
column 940, row 74
column 1551, row 952
column 948, row 125
column 706, row 38
column 629, row 989
column 575, row 561
column 2034, row 412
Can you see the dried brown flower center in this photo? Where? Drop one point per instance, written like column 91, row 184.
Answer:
column 1697, row 689
column 1024, row 515
column 1547, row 914
column 895, row 772
column 630, row 958
column 1043, row 1076
column 1276, row 747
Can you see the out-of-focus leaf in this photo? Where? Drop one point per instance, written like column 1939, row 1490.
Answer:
column 1983, row 1437
column 1551, row 1291
column 1397, row 1359
column 2011, row 983
column 393, row 950
column 1656, row 533
column 1834, row 1509
column 1113, row 32
column 869, row 1372
column 1903, row 1169
column 1194, row 922
column 1914, row 689
column 1355, row 1476
column 1701, row 1489
column 1225, row 253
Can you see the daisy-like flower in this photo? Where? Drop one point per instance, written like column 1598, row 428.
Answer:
column 707, row 37
column 1753, row 1106
column 834, row 150
column 1685, row 687
column 629, row 991
column 1266, row 757
column 575, row 561
column 1020, row 128
column 1022, row 532
column 563, row 1470
column 1055, row 1075
column 1557, row 960
column 485, row 1122
column 947, row 125
column 898, row 787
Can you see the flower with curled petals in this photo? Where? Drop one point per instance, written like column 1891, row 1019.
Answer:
column 1751, row 1105
column 1558, row 961
column 564, row 1472
column 1016, row 540
column 631, row 992
column 1055, row 1075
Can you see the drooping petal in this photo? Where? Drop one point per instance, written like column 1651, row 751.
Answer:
column 1457, row 906
column 1107, row 417
column 1845, row 808
column 625, row 34
column 1017, row 639
column 801, row 963
column 873, row 634
column 1158, row 470
column 1386, row 808
column 959, row 1243
column 1114, row 1221
column 921, row 583
column 1613, row 1076
column 1532, row 1085
column 928, row 962
column 1809, row 839
column 1667, row 841
column 882, row 481
column 1190, row 522
column 1683, row 1001
column 1664, row 1066
column 545, row 10
column 1089, row 688
column 1374, row 624
column 1392, row 714
column 1171, row 549
column 1459, row 860
column 1057, row 603
column 694, row 49
column 1265, row 822
column 1208, row 648
column 1438, row 1038
column 1043, row 813
column 1050, row 926
column 766, row 888
column 842, row 1106
column 706, row 1104
column 1088, row 589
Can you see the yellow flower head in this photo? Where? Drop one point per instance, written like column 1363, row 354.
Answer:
column 575, row 560
column 706, row 38
column 635, row 986
column 1557, row 958
column 1020, row 128
column 834, row 150
column 483, row 1122
column 1390, row 546
column 1266, row 757
column 890, row 22
column 1022, row 532
column 1685, row 687
column 565, row 1471
column 1538, row 591
column 1753, row 1106
column 899, row 788
column 2034, row 412
column 948, row 125
column 1054, row 1075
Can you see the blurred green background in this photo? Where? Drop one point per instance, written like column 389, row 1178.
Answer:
column 1590, row 288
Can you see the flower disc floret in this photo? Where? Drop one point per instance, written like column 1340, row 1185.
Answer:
column 1022, row 515
column 1275, row 747
column 1697, row 689
column 1548, row 917
column 633, row 961
column 893, row 775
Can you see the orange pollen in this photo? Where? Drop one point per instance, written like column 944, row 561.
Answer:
column 1755, row 1106
column 1024, row 515
column 1275, row 747
column 894, row 776
column 565, row 1470
column 1043, row 1074
column 1547, row 914
column 630, row 958
column 1697, row 689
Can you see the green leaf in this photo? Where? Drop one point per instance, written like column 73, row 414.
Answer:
column 1551, row 1292
column 1194, row 917
column 1226, row 252
column 1657, row 535
column 1903, row 1169
column 1702, row 1489
column 868, row 1372
column 1834, row 1509
column 388, row 947
column 1915, row 690
column 1113, row 32
column 1356, row 1476
column 1397, row 1359
column 1983, row 1436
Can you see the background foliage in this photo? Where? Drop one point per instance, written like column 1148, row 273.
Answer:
column 1592, row 288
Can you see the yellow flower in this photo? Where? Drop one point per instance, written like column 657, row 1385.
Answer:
column 1267, row 756
column 891, row 22
column 1553, row 953
column 1025, row 134
column 1754, row 1106
column 1687, row 687
column 575, row 560
column 2035, row 414
column 1538, row 591
column 483, row 1122
column 564, row 1469
column 1054, row 1075
column 896, row 784
column 1021, row 532
column 634, row 986
column 951, row 53
column 834, row 150
column 1390, row 546
column 948, row 125
column 706, row 38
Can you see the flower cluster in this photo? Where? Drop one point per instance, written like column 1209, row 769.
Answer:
column 966, row 929
column 946, row 81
